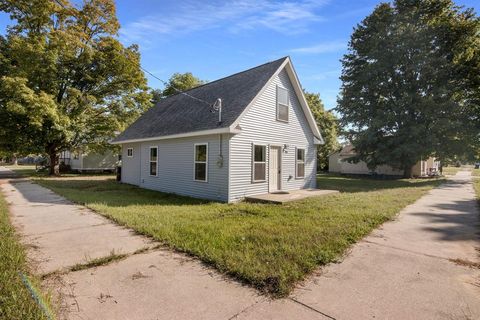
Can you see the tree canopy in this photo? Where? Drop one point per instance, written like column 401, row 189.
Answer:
column 179, row 82
column 411, row 83
column 65, row 79
column 328, row 125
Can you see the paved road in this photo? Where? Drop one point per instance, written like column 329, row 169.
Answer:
column 401, row 271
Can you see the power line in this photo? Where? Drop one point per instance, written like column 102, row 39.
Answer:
column 179, row 91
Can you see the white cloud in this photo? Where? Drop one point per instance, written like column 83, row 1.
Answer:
column 324, row 47
column 287, row 17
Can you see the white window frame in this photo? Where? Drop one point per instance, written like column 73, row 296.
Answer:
column 130, row 155
column 195, row 161
column 287, row 105
column 150, row 162
column 297, row 162
column 264, row 162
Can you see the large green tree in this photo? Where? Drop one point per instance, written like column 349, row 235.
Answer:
column 328, row 125
column 180, row 82
column 65, row 79
column 411, row 83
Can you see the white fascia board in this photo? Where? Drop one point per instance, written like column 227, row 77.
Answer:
column 182, row 135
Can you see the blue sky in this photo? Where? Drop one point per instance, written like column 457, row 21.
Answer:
column 213, row 39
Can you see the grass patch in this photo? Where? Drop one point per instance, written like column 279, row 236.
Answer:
column 476, row 172
column 98, row 262
column 476, row 186
column 16, row 301
column 29, row 171
column 268, row 246
column 451, row 171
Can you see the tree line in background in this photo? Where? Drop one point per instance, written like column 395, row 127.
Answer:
column 65, row 79
column 410, row 83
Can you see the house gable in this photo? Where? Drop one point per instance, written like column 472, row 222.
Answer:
column 295, row 87
column 259, row 125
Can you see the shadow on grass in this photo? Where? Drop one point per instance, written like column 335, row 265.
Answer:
column 351, row 184
column 114, row 194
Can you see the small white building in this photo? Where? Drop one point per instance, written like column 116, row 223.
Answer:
column 89, row 161
column 263, row 139
column 337, row 163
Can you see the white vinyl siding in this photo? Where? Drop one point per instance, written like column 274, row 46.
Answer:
column 131, row 165
column 176, row 167
column 200, row 159
column 260, row 126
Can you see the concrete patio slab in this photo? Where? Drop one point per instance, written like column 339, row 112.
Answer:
column 283, row 197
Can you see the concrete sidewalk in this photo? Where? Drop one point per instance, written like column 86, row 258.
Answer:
column 401, row 271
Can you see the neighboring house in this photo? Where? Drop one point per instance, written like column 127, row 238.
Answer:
column 264, row 142
column 337, row 162
column 91, row 161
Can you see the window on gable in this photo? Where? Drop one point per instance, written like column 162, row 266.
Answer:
column 282, row 104
column 201, row 162
column 130, row 152
column 300, row 163
column 259, row 163
column 153, row 160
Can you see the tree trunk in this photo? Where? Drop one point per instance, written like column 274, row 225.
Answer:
column 408, row 172
column 54, row 167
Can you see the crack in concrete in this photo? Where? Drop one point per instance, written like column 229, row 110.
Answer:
column 245, row 309
column 312, row 308
column 409, row 251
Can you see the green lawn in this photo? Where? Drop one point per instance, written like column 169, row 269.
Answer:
column 16, row 301
column 29, row 171
column 476, row 172
column 268, row 246
column 451, row 170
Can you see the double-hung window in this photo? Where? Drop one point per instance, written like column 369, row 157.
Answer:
column 259, row 163
column 282, row 104
column 153, row 161
column 300, row 163
column 130, row 152
column 201, row 162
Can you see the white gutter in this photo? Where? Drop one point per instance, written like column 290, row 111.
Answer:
column 181, row 135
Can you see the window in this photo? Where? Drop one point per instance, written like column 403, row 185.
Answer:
column 130, row 152
column 259, row 163
column 76, row 156
column 153, row 160
column 300, row 163
column 282, row 104
column 201, row 162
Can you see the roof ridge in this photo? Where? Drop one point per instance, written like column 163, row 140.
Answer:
column 229, row 76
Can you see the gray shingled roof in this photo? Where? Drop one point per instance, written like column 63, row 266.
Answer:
column 181, row 114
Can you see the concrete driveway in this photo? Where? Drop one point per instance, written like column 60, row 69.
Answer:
column 402, row 271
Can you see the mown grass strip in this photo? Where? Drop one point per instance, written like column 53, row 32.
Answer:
column 16, row 300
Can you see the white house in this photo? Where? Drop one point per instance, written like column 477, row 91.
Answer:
column 338, row 163
column 262, row 140
column 89, row 161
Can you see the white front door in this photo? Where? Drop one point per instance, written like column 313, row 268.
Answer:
column 274, row 169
